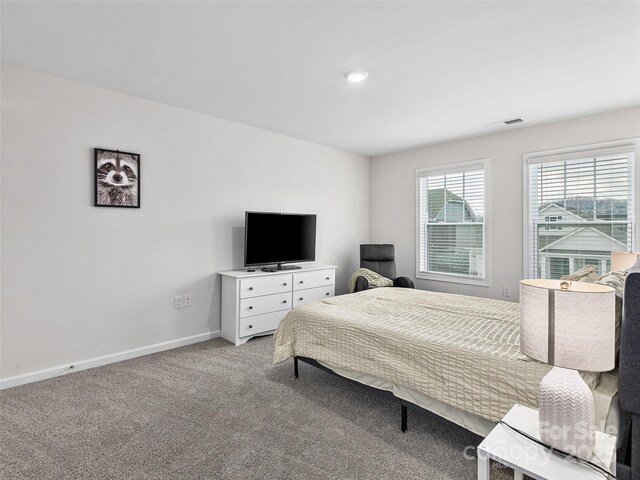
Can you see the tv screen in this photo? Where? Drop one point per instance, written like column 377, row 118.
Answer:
column 275, row 238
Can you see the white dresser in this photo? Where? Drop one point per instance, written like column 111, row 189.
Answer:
column 253, row 303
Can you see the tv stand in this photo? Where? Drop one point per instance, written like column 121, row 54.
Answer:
column 280, row 266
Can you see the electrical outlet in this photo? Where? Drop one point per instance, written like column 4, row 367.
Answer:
column 187, row 300
column 506, row 291
column 178, row 301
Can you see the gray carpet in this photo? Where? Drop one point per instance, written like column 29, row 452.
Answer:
column 211, row 411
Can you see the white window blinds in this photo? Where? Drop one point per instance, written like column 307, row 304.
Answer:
column 580, row 210
column 451, row 223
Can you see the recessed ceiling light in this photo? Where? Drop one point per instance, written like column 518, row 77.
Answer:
column 356, row 76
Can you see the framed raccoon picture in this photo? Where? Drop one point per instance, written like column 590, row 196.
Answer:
column 117, row 178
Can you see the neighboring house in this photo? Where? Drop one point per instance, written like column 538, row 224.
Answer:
column 582, row 233
column 583, row 246
column 556, row 218
column 456, row 211
column 438, row 198
column 570, row 238
column 455, row 236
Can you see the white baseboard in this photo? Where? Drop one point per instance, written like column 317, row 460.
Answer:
column 104, row 360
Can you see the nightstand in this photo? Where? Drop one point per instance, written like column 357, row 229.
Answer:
column 528, row 458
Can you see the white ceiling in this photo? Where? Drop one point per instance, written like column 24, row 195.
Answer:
column 437, row 70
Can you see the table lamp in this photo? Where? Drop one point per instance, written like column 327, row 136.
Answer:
column 572, row 327
column 623, row 260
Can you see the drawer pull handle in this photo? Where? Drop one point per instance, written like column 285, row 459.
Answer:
column 284, row 284
column 250, row 288
column 300, row 281
column 250, row 326
column 327, row 294
column 284, row 301
column 300, row 299
column 250, row 307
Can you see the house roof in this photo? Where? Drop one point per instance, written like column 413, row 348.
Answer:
column 582, row 207
column 454, row 216
column 563, row 243
column 438, row 198
column 611, row 209
column 573, row 215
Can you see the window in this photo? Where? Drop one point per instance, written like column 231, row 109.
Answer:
column 451, row 224
column 553, row 218
column 580, row 209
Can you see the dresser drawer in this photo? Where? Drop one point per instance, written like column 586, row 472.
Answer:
column 313, row 279
column 312, row 294
column 260, row 323
column 255, row 287
column 269, row 303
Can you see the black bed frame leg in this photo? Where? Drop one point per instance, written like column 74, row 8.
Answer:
column 403, row 414
column 295, row 366
column 626, row 460
column 634, row 454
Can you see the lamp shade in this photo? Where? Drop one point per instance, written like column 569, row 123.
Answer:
column 570, row 328
column 623, row 260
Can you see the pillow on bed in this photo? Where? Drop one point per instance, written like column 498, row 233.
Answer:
column 588, row 273
column 615, row 280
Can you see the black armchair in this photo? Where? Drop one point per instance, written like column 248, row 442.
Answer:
column 381, row 259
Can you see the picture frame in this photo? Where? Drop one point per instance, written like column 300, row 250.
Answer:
column 116, row 177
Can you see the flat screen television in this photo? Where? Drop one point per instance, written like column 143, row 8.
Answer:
column 279, row 238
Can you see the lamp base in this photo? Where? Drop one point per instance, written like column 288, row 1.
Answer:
column 566, row 413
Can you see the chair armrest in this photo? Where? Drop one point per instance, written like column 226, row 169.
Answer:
column 403, row 282
column 361, row 284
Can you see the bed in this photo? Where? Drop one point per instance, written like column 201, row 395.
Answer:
column 454, row 355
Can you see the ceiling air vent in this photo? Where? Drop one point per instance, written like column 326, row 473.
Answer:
column 513, row 121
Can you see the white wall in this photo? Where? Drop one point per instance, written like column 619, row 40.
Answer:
column 80, row 282
column 392, row 205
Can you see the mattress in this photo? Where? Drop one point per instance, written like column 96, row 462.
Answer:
column 458, row 350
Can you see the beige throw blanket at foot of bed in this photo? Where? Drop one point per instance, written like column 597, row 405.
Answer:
column 374, row 279
column 461, row 350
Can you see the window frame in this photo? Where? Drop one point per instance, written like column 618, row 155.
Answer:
column 480, row 164
column 567, row 153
